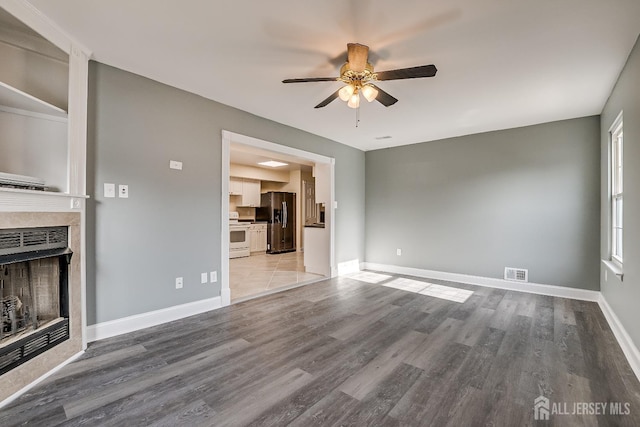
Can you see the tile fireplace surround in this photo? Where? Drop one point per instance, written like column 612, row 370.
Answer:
column 31, row 370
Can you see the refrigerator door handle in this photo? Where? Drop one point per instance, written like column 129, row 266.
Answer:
column 284, row 215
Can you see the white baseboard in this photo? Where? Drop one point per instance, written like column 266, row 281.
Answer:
column 145, row 320
column 532, row 288
column 628, row 347
column 37, row 381
column 349, row 267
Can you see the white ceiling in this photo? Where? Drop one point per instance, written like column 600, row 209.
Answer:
column 250, row 156
column 502, row 63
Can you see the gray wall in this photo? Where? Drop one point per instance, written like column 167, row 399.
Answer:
column 526, row 197
column 623, row 297
column 170, row 224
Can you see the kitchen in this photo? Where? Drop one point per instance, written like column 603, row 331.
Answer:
column 272, row 208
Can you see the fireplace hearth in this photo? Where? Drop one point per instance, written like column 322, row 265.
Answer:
column 34, row 292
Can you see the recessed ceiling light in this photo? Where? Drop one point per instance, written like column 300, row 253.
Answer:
column 273, row 164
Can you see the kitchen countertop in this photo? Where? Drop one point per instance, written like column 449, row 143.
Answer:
column 315, row 225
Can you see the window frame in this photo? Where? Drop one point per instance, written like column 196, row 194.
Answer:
column 616, row 190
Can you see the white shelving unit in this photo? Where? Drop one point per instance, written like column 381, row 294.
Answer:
column 16, row 101
column 43, row 110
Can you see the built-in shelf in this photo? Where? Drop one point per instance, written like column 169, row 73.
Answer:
column 18, row 100
column 41, row 193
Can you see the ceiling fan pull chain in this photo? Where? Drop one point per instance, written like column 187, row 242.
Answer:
column 357, row 115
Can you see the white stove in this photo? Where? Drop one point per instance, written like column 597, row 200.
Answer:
column 239, row 244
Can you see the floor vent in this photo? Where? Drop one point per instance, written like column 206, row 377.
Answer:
column 517, row 274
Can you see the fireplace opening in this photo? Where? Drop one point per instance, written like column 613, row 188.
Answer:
column 34, row 292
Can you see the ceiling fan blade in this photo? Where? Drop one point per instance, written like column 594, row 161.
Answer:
column 384, row 98
column 330, row 98
column 311, row 79
column 408, row 73
column 357, row 55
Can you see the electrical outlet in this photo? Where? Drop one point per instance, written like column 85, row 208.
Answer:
column 399, row 252
column 214, row 276
column 178, row 282
column 204, row 277
column 174, row 164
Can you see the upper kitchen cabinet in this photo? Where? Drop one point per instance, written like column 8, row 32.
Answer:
column 248, row 189
column 43, row 90
column 250, row 193
column 235, row 186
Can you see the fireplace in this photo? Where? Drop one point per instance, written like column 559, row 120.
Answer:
column 34, row 292
column 38, row 366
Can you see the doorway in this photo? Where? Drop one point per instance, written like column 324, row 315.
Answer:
column 268, row 269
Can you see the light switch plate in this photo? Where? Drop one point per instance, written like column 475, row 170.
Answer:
column 204, row 278
column 109, row 190
column 123, row 191
column 174, row 164
column 214, row 276
column 178, row 282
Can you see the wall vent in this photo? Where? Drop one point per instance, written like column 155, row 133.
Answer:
column 516, row 274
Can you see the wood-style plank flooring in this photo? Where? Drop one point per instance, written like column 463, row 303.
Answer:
column 348, row 352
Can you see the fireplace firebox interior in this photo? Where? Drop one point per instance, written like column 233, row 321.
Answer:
column 34, row 292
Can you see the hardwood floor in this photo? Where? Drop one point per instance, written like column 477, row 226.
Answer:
column 348, row 352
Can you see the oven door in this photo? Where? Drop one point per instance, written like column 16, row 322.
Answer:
column 239, row 241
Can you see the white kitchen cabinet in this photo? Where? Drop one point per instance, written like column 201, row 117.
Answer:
column 235, row 186
column 258, row 237
column 250, row 193
column 249, row 189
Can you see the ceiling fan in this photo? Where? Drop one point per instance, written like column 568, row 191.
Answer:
column 358, row 75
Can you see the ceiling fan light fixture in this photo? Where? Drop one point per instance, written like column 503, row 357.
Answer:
column 346, row 92
column 369, row 92
column 354, row 101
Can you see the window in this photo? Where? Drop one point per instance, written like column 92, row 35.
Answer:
column 616, row 190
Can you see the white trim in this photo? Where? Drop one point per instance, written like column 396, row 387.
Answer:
column 331, row 222
column 626, row 343
column 32, row 17
column 152, row 318
column 77, row 125
column 615, row 268
column 532, row 288
column 225, row 290
column 227, row 138
column 19, row 200
column 225, row 295
column 278, row 148
column 349, row 267
column 37, row 381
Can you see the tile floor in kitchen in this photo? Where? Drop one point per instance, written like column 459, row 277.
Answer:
column 263, row 273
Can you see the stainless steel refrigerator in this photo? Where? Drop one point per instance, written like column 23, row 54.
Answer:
column 278, row 209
